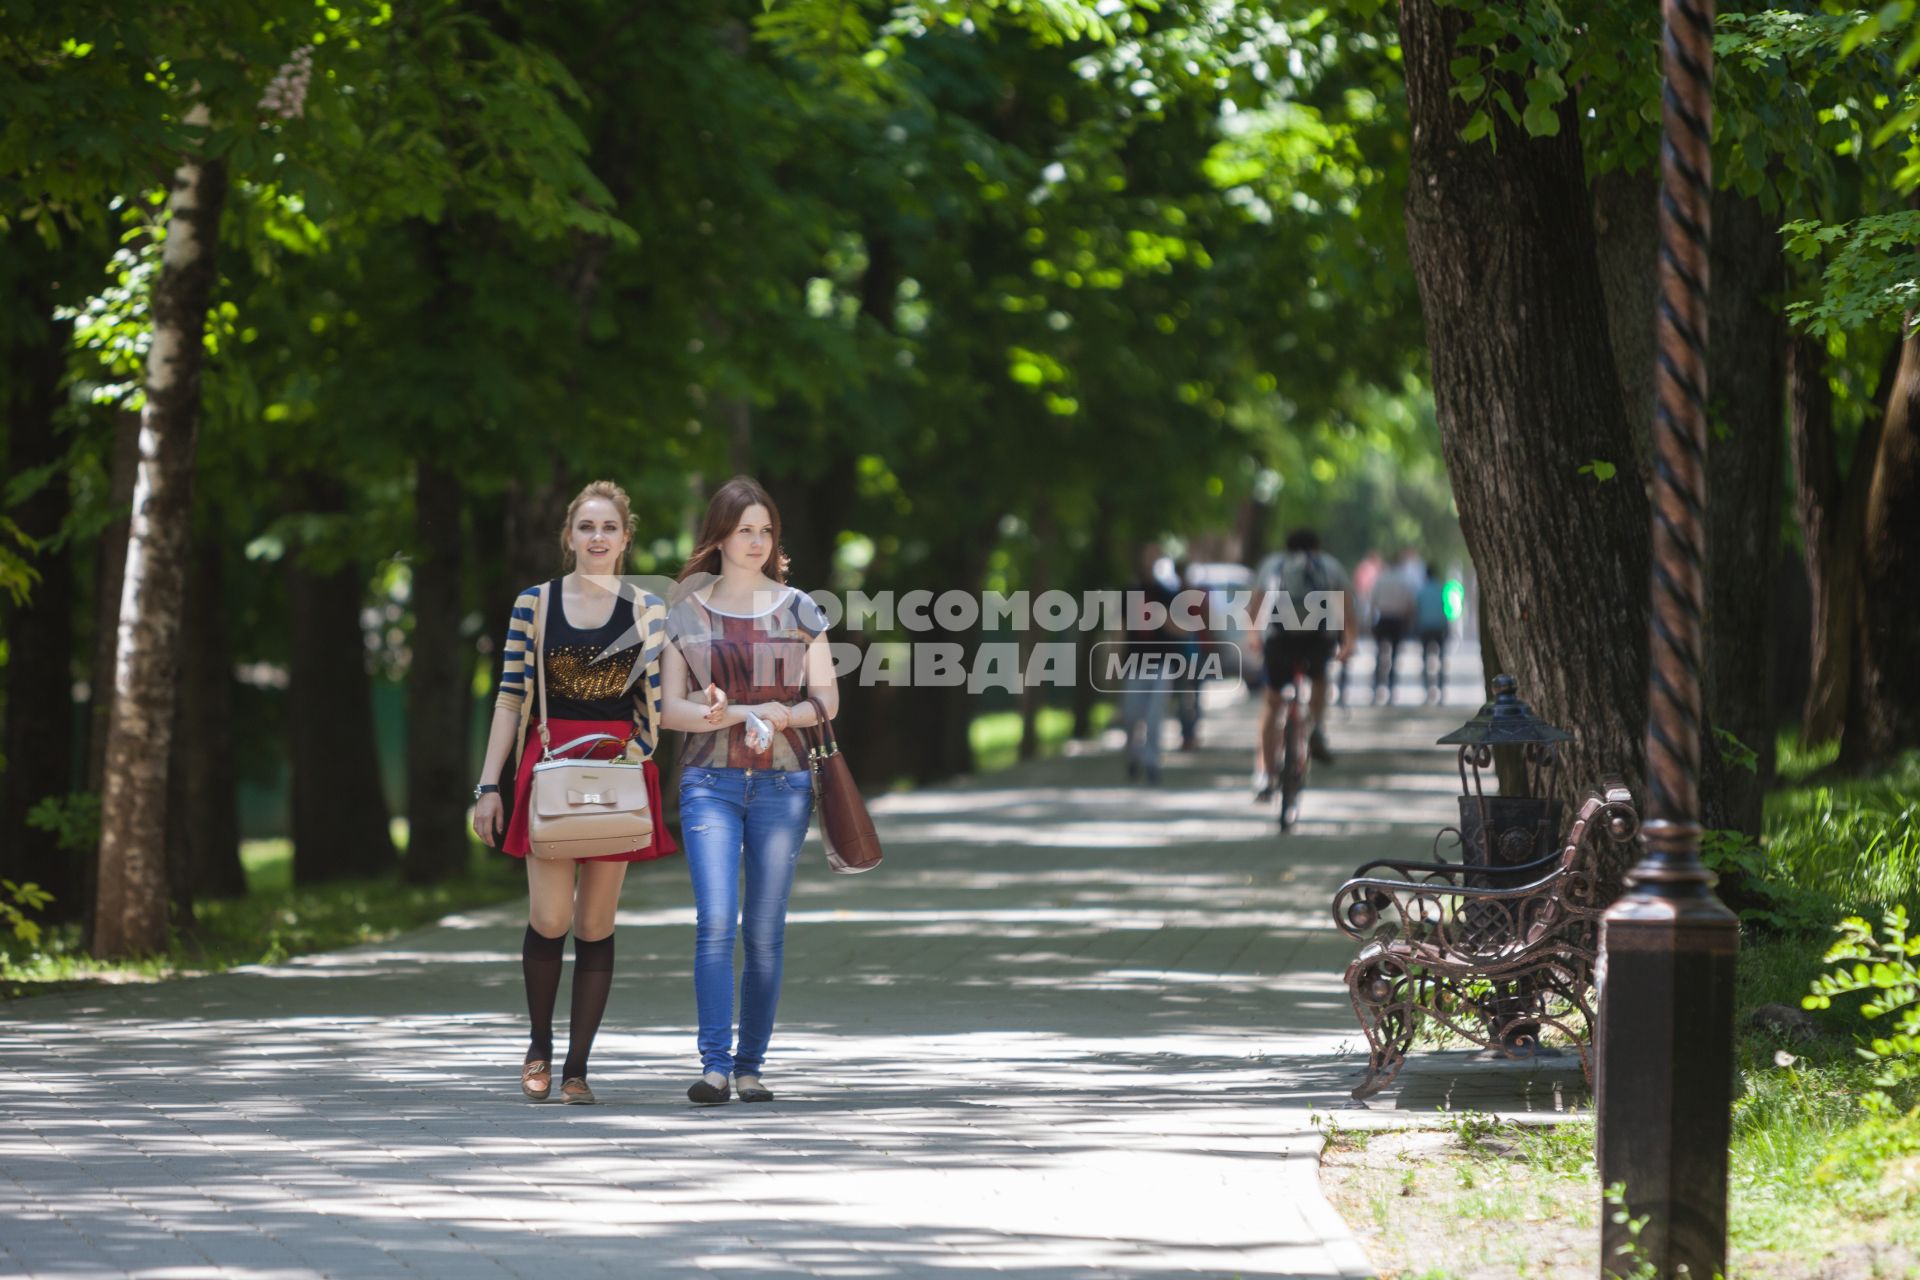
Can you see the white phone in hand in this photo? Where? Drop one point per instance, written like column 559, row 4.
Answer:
column 759, row 733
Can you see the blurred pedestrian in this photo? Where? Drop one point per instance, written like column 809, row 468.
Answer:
column 1393, row 602
column 1431, row 624
column 1360, row 624
column 1151, row 646
column 1186, row 683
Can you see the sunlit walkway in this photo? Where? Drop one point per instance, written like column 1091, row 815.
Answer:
column 1071, row 1028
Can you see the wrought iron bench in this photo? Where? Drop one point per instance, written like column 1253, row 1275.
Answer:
column 1493, row 953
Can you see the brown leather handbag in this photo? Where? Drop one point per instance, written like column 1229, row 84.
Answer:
column 846, row 829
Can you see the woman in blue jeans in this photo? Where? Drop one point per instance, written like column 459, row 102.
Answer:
column 757, row 648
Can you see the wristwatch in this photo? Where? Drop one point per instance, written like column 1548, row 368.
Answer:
column 485, row 788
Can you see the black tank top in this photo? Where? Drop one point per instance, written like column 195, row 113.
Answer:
column 584, row 681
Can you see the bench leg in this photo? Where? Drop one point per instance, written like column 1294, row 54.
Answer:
column 1388, row 1037
column 1383, row 1002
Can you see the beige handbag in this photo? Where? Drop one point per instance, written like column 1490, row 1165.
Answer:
column 582, row 808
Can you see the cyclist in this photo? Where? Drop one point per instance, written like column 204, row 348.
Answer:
column 1321, row 636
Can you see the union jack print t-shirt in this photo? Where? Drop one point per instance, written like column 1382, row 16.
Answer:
column 753, row 657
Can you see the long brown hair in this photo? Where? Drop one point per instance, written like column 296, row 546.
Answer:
column 729, row 502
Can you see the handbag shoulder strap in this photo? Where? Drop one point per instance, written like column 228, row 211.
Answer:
column 540, row 661
column 826, row 745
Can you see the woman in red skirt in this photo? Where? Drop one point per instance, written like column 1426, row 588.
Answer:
column 593, row 632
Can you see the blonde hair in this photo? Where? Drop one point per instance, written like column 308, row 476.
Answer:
column 605, row 490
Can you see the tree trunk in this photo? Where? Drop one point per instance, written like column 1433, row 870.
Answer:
column 1744, row 456
column 130, row 907
column 535, row 511
column 1830, row 546
column 110, row 568
column 812, row 503
column 339, row 811
column 203, row 816
column 736, row 413
column 1884, row 714
column 39, row 636
column 1525, row 391
column 1626, row 225
column 1039, row 582
column 439, row 700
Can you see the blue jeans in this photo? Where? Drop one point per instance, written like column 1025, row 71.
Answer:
column 1144, row 703
column 729, row 817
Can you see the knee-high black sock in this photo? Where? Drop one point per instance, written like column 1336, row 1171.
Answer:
column 592, row 980
column 540, row 959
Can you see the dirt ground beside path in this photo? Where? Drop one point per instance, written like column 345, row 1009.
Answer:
column 1477, row 1201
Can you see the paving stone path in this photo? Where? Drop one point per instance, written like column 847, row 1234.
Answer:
column 1072, row 1028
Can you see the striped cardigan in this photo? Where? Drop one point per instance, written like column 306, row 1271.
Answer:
column 519, row 694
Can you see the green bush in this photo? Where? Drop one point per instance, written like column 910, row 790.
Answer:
column 1880, row 1158
column 1884, row 966
column 20, row 899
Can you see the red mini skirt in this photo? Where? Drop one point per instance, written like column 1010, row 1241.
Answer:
column 563, row 731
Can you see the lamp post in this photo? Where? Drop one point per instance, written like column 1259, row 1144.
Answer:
column 1510, row 829
column 1504, row 829
column 1668, row 946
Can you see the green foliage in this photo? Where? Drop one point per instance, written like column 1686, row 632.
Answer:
column 74, row 820
column 1900, row 20
column 19, row 899
column 1782, row 904
column 1872, row 277
column 1735, row 752
column 1600, row 470
column 1884, row 966
column 1878, row 1162
column 1512, row 60
column 1637, row 1265
column 17, row 574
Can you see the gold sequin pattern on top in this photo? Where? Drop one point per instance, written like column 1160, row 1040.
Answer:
column 573, row 673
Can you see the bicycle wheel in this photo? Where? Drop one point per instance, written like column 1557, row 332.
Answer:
column 1293, row 768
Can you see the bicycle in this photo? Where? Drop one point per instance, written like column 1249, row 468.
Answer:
column 1294, row 757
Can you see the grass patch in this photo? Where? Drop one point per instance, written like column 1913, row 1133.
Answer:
column 995, row 737
column 274, row 922
column 1857, row 842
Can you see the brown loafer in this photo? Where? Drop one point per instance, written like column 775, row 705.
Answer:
column 536, row 1079
column 574, row 1089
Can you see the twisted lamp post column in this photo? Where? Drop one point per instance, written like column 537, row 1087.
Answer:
column 1669, row 945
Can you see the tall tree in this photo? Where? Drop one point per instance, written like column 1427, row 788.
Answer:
column 1886, row 706
column 340, row 813
column 203, row 819
column 1502, row 243
column 130, row 904
column 1745, row 453
column 439, row 683
column 38, row 743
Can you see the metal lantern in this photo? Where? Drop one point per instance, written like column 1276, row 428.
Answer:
column 1507, row 829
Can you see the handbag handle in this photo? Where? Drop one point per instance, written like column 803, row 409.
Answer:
column 827, row 744
column 565, row 747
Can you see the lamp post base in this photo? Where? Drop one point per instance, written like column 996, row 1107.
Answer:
column 1665, row 1079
